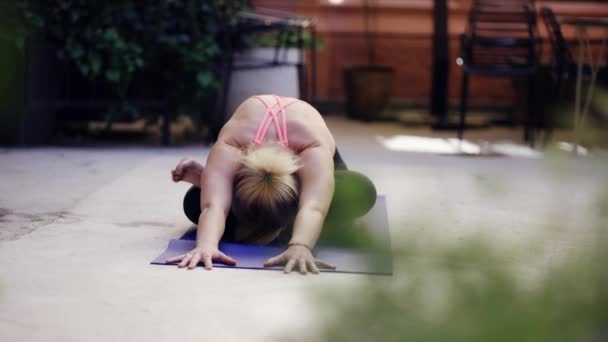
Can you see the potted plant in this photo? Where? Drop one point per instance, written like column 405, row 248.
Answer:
column 280, row 52
column 118, row 53
column 368, row 87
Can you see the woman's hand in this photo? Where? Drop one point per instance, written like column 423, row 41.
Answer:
column 206, row 255
column 298, row 255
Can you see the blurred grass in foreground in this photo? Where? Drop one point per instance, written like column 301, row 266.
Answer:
column 473, row 291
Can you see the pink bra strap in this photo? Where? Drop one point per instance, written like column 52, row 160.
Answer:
column 271, row 115
column 284, row 116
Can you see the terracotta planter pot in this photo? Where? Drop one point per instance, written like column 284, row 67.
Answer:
column 368, row 91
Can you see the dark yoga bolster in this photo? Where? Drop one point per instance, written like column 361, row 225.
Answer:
column 192, row 209
column 192, row 204
column 354, row 196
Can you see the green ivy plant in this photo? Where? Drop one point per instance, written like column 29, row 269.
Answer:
column 291, row 40
column 19, row 21
column 178, row 43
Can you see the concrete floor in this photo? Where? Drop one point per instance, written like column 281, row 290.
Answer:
column 78, row 227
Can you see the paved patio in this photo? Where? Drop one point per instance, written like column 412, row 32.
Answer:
column 78, row 227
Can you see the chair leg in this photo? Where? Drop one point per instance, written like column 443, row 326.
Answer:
column 530, row 122
column 464, row 93
column 547, row 118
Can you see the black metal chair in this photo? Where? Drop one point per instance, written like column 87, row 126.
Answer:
column 500, row 41
column 265, row 21
column 563, row 63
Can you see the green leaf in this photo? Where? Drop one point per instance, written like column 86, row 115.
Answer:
column 20, row 42
column 110, row 34
column 204, row 78
column 112, row 75
column 94, row 62
column 119, row 43
column 84, row 69
column 76, row 51
column 212, row 50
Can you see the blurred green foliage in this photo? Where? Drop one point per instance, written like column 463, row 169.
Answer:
column 270, row 39
column 469, row 292
column 12, row 32
column 476, row 290
column 180, row 42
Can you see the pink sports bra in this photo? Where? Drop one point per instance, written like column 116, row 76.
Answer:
column 280, row 123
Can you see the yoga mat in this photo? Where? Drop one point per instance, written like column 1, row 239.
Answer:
column 377, row 260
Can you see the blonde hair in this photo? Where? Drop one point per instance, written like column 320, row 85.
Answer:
column 266, row 193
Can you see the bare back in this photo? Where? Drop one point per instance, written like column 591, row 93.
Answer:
column 305, row 126
column 308, row 137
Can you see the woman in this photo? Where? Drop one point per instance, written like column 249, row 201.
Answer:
column 271, row 173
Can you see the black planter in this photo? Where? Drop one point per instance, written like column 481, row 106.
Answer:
column 368, row 91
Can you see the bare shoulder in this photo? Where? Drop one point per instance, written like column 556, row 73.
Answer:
column 229, row 134
column 315, row 157
column 305, row 124
column 316, row 178
column 223, row 161
column 311, row 127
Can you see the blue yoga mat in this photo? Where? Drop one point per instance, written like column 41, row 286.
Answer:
column 362, row 259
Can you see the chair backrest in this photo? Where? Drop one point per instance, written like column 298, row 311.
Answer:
column 559, row 46
column 500, row 52
column 503, row 3
column 503, row 13
column 501, row 34
column 501, row 31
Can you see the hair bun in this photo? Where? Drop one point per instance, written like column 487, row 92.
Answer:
column 271, row 160
column 265, row 192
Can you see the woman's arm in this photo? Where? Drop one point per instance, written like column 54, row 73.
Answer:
column 216, row 196
column 317, row 188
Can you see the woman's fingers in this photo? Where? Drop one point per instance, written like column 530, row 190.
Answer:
column 185, row 260
column 302, row 266
column 223, row 258
column 194, row 261
column 289, row 266
column 312, row 267
column 207, row 261
column 274, row 261
column 305, row 265
column 180, row 166
column 175, row 259
column 324, row 264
